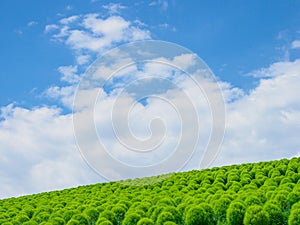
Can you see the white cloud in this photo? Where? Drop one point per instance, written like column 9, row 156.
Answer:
column 82, row 59
column 38, row 152
column 93, row 33
column 69, row 74
column 51, row 27
column 278, row 69
column 69, row 20
column 296, row 44
column 114, row 8
column 161, row 3
column 32, row 23
column 264, row 124
column 65, row 95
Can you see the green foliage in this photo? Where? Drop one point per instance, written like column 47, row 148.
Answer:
column 110, row 216
column 57, row 221
column 275, row 214
column 235, row 213
column 73, row 222
column 119, row 211
column 256, row 215
column 164, row 217
column 81, row 218
column 104, row 222
column 254, row 193
column 92, row 215
column 200, row 215
column 294, row 218
column 145, row 221
column 220, row 207
column 31, row 222
column 131, row 219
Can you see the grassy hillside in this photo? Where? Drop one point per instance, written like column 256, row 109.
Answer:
column 258, row 193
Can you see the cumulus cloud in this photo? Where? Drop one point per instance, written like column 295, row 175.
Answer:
column 50, row 27
column 96, row 34
column 82, row 59
column 114, row 8
column 38, row 143
column 278, row 69
column 38, row 151
column 264, row 124
column 69, row 74
column 296, row 44
column 64, row 95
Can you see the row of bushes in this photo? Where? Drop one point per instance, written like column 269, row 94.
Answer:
column 256, row 193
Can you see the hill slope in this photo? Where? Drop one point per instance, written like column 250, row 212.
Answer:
column 256, row 193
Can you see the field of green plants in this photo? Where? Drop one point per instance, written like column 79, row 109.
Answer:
column 257, row 193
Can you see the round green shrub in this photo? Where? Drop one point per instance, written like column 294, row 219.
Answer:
column 109, row 215
column 275, row 214
column 119, row 211
column 156, row 210
column 197, row 215
column 41, row 217
column 220, row 208
column 164, row 217
column 174, row 212
column 294, row 218
column 81, row 218
column 256, row 215
column 131, row 219
column 92, row 214
column 145, row 221
column 21, row 218
column 57, row 221
column 252, row 200
column 235, row 213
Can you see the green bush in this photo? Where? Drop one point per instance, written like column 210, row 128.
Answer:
column 220, row 208
column 174, row 212
column 145, row 221
column 41, row 217
column 92, row 214
column 275, row 214
column 256, row 215
column 164, row 217
column 200, row 215
column 57, row 221
column 109, row 215
column 252, row 200
column 294, row 218
column 235, row 213
column 119, row 211
column 81, row 218
column 131, row 219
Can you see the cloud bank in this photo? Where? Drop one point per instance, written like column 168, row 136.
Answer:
column 38, row 147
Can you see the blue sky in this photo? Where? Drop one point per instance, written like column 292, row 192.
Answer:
column 232, row 37
column 252, row 47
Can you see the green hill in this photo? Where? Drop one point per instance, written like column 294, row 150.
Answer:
column 256, row 193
